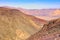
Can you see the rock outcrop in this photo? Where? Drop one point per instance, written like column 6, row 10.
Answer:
column 50, row 31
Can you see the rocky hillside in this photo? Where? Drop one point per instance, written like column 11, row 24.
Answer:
column 15, row 25
column 50, row 31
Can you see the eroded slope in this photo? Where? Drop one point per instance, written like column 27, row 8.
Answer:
column 50, row 31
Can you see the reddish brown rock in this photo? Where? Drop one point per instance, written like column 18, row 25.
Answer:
column 50, row 31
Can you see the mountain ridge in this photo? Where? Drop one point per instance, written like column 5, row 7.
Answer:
column 15, row 25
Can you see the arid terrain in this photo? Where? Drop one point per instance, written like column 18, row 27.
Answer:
column 47, row 14
column 29, row 24
column 50, row 31
column 16, row 25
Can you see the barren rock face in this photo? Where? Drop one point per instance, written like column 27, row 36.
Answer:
column 50, row 31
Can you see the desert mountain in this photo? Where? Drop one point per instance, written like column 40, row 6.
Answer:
column 47, row 14
column 50, row 31
column 44, row 12
column 15, row 25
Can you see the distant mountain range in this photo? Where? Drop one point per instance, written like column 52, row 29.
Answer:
column 46, row 14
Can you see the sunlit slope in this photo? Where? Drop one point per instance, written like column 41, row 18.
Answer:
column 15, row 25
